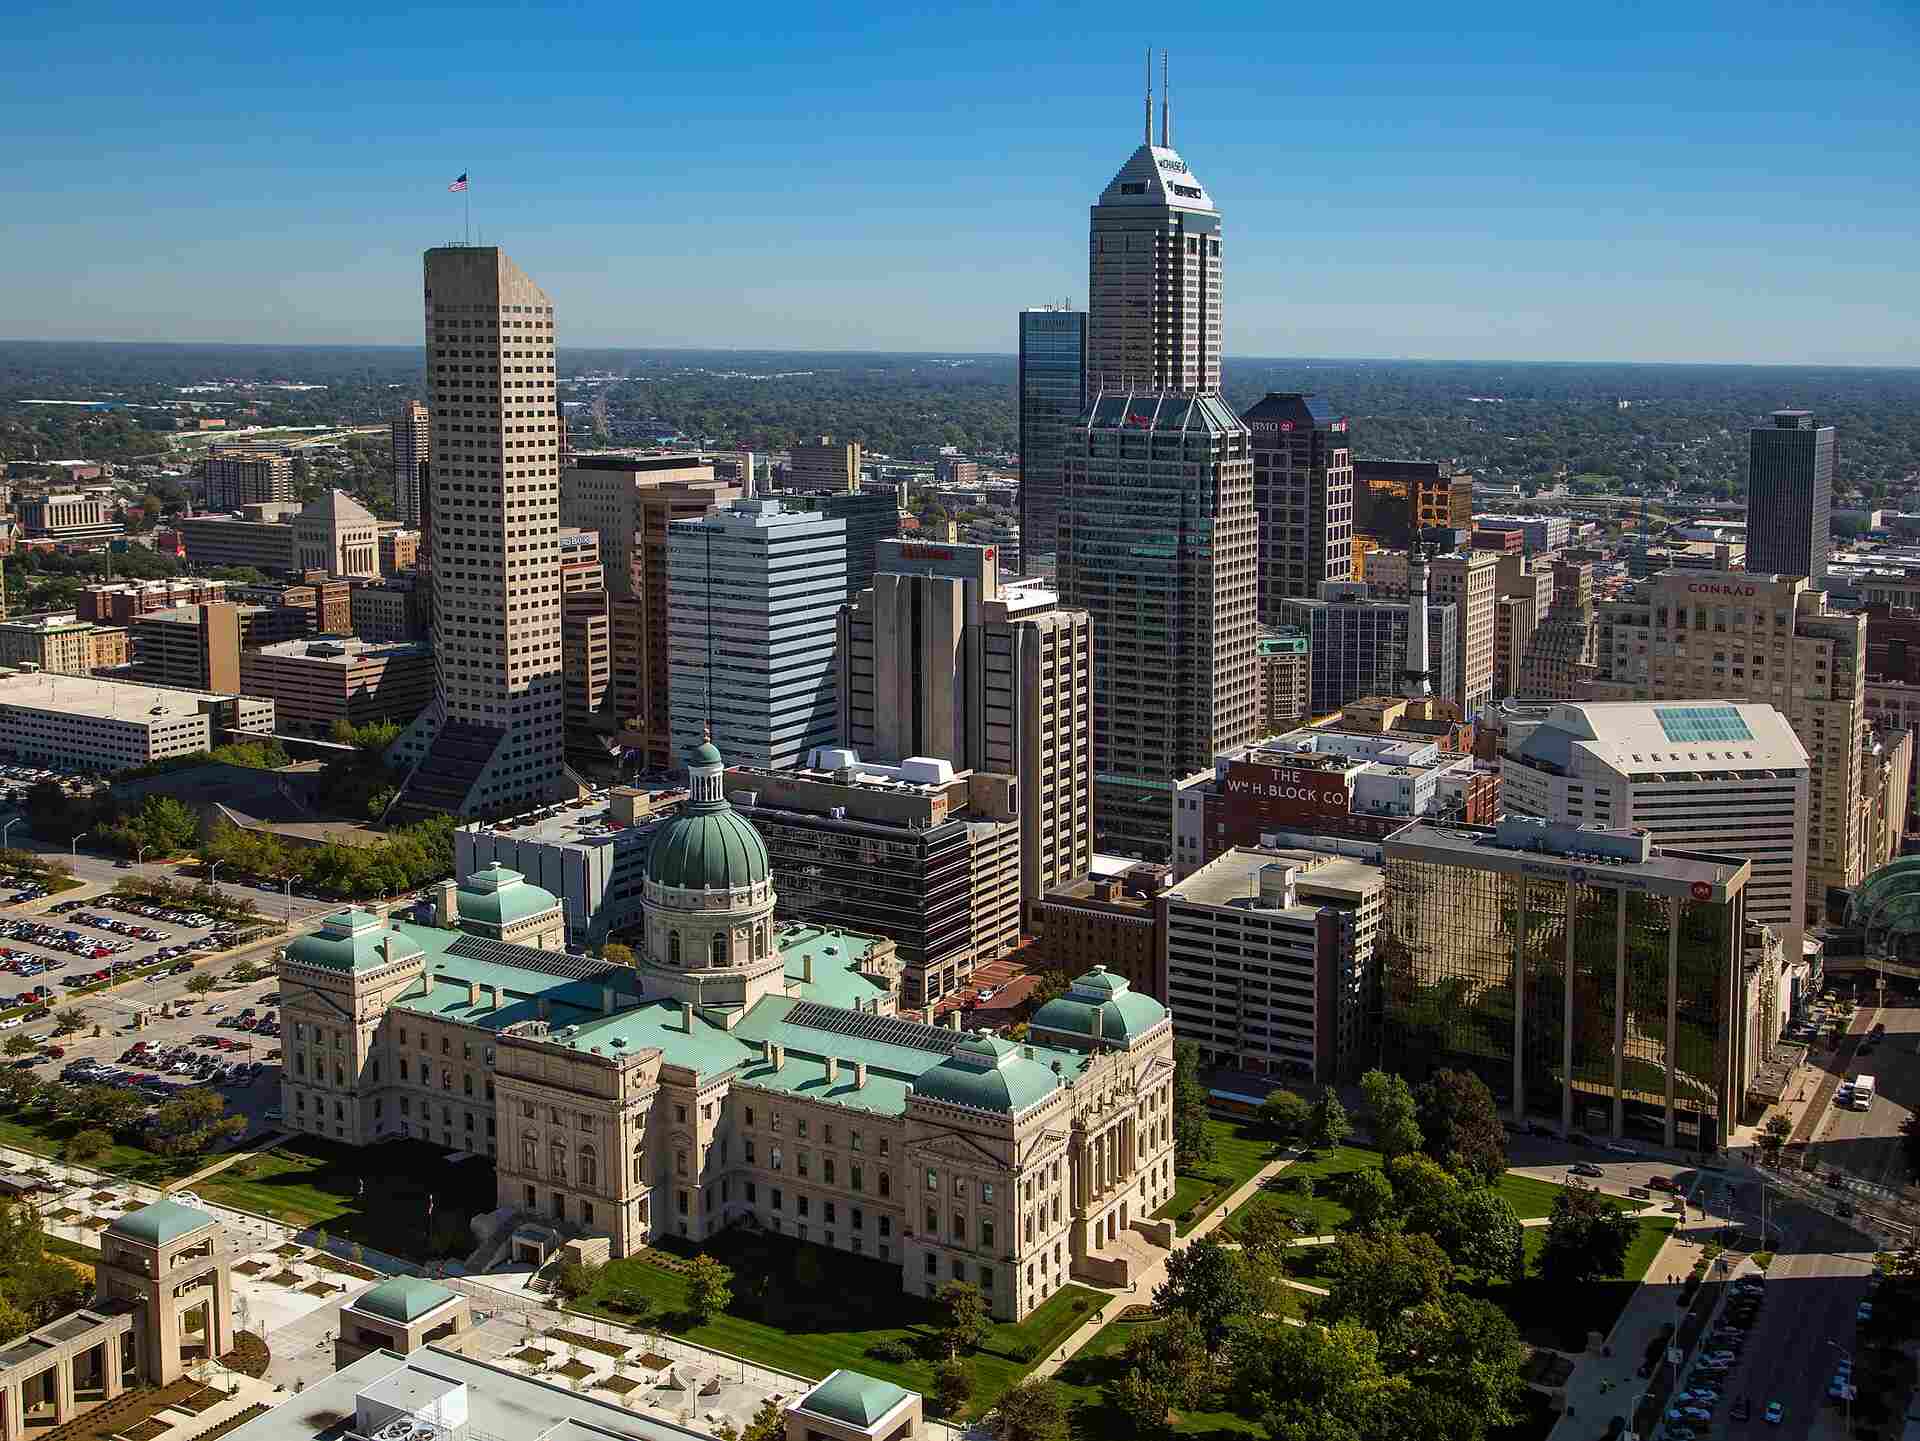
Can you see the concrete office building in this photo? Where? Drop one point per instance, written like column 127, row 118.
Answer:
column 60, row 641
column 1270, row 962
column 65, row 516
column 399, row 550
column 1303, row 496
column 315, row 683
column 264, row 543
column 591, row 853
column 824, row 466
column 1112, row 920
column 1357, row 646
column 586, row 645
column 412, row 440
column 1320, row 782
column 1538, row 533
column 1893, row 678
column 940, row 658
column 741, row 1072
column 237, row 474
column 1523, row 602
column 336, row 535
column 492, row 740
column 630, row 501
column 1790, row 496
column 1770, row 639
column 325, row 607
column 1051, row 392
column 82, row 723
column 1697, row 775
column 193, row 647
column 922, row 853
column 1559, row 659
column 1582, row 972
column 1285, row 678
column 1469, row 581
column 389, row 610
column 871, row 516
column 754, row 592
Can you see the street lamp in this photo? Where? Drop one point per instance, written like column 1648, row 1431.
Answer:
column 289, row 900
column 213, row 872
column 6, row 829
column 73, row 849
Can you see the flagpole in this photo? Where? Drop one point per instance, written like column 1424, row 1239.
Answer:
column 466, row 203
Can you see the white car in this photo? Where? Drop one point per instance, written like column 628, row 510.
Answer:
column 216, row 1008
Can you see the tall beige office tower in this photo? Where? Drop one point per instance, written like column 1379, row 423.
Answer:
column 825, row 467
column 1157, row 536
column 412, row 449
column 1470, row 580
column 1729, row 635
column 939, row 659
column 245, row 473
column 491, row 741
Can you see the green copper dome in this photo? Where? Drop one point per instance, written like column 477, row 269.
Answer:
column 497, row 896
column 1102, row 1006
column 854, row 1399
column 988, row 1074
column 159, row 1223
column 403, row 1298
column 709, row 846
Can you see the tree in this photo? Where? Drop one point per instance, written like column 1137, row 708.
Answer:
column 618, row 954
column 1375, row 1280
column 1265, row 1231
column 1208, row 1284
column 13, row 1321
column 190, row 1122
column 1286, row 1114
column 964, row 1320
column 1192, row 1140
column 769, row 1423
column 71, row 1019
column 709, row 1288
column 952, row 1386
column 1463, row 1348
column 1776, row 1133
column 1369, row 1196
column 85, row 1147
column 1392, row 1114
column 1461, row 1126
column 199, row 983
column 1031, row 1411
column 1176, row 1363
column 574, row 1280
column 1312, row 1383
column 1487, row 1236
column 1135, row 1396
column 1330, row 1125
column 19, row 1044
column 1587, row 1239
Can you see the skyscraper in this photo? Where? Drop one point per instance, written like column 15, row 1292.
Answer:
column 412, row 449
column 1303, row 495
column 247, row 474
column 753, row 599
column 1153, row 259
column 939, row 659
column 1052, row 396
column 1789, row 496
column 1157, row 538
column 491, row 741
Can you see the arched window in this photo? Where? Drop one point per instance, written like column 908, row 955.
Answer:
column 589, row 1170
column 886, row 1184
column 759, row 942
column 557, row 1160
column 719, row 949
column 530, row 1153
column 673, row 948
column 640, row 1165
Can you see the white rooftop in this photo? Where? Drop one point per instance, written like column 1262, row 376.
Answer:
column 90, row 695
column 1653, row 735
column 344, row 649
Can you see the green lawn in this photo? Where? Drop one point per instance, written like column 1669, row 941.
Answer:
column 1240, row 1149
column 1325, row 1212
column 46, row 1135
column 1084, row 1379
column 1552, row 1316
column 311, row 1182
column 809, row 1310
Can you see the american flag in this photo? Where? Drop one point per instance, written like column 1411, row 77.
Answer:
column 461, row 183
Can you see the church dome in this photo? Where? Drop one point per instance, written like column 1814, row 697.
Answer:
column 709, row 846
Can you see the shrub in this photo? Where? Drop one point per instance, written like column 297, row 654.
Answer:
column 896, row 1349
column 1025, row 1352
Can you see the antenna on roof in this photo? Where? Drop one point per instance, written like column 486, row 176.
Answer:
column 1149, row 139
column 1166, row 107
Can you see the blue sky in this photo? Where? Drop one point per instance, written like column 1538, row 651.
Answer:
column 1671, row 180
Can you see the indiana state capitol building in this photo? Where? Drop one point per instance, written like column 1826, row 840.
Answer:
column 741, row 1072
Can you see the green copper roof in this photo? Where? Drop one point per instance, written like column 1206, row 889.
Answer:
column 849, row 1397
column 1101, row 1005
column 403, row 1298
column 497, row 896
column 709, row 847
column 988, row 1074
column 706, row 754
column 353, row 940
column 159, row 1223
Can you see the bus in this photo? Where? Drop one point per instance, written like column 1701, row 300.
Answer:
column 1862, row 1097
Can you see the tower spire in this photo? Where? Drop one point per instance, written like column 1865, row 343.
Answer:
column 1166, row 107
column 1149, row 127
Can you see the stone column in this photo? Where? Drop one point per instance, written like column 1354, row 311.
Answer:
column 113, row 1380
column 13, row 1424
column 63, row 1391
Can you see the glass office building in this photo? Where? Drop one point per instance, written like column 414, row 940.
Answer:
column 1585, row 976
column 1052, row 396
column 1789, row 496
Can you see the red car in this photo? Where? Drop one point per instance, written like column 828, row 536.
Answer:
column 1662, row 1183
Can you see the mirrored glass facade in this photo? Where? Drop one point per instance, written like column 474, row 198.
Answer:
column 1053, row 395
column 1599, row 1006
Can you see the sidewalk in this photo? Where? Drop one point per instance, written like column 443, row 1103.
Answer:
column 1143, row 1287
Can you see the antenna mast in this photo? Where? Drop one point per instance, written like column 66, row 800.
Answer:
column 1149, row 127
column 1166, row 107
